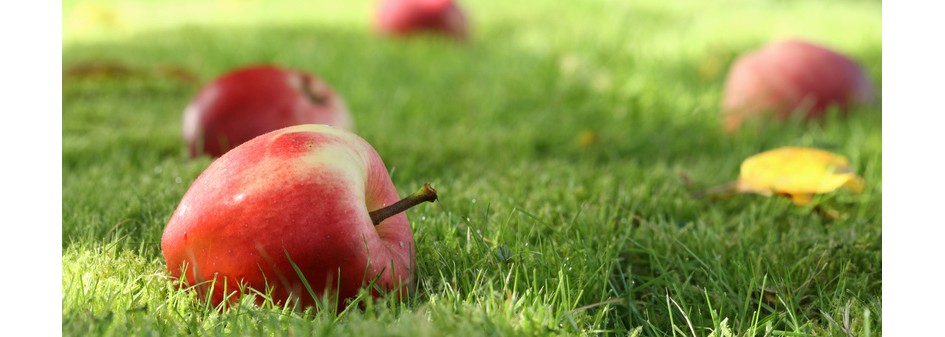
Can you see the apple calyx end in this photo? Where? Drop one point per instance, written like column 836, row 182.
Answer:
column 425, row 194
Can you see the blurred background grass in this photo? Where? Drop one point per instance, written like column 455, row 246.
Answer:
column 556, row 137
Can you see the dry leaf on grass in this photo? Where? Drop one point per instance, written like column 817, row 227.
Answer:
column 797, row 172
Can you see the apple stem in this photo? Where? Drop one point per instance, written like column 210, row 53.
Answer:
column 425, row 194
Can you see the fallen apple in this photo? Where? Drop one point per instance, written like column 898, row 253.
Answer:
column 253, row 100
column 792, row 77
column 308, row 210
column 407, row 17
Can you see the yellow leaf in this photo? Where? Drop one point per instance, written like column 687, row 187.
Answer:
column 587, row 138
column 797, row 172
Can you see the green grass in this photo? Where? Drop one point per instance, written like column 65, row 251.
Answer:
column 534, row 234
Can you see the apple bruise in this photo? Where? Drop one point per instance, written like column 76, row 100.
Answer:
column 250, row 218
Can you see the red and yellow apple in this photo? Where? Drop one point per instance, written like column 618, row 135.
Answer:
column 250, row 101
column 311, row 197
column 792, row 77
column 407, row 17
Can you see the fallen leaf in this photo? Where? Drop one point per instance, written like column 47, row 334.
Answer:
column 116, row 70
column 100, row 69
column 797, row 172
column 587, row 138
column 178, row 73
column 770, row 295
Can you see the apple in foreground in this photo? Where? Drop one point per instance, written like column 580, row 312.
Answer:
column 407, row 17
column 792, row 76
column 250, row 101
column 310, row 197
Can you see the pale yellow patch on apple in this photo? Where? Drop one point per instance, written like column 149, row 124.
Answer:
column 339, row 157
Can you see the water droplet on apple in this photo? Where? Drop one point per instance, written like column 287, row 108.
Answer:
column 401, row 244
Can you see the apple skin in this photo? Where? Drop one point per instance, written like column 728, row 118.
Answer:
column 304, row 191
column 791, row 76
column 250, row 101
column 408, row 17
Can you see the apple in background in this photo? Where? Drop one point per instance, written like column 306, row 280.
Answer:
column 792, row 76
column 314, row 194
column 406, row 17
column 253, row 100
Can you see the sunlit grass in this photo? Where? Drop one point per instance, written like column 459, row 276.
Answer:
column 556, row 139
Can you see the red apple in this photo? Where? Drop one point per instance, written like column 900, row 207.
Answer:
column 406, row 17
column 251, row 101
column 314, row 194
column 792, row 76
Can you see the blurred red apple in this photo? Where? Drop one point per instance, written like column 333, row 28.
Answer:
column 792, row 76
column 251, row 101
column 406, row 17
column 317, row 195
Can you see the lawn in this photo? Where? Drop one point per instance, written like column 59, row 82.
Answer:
column 558, row 137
